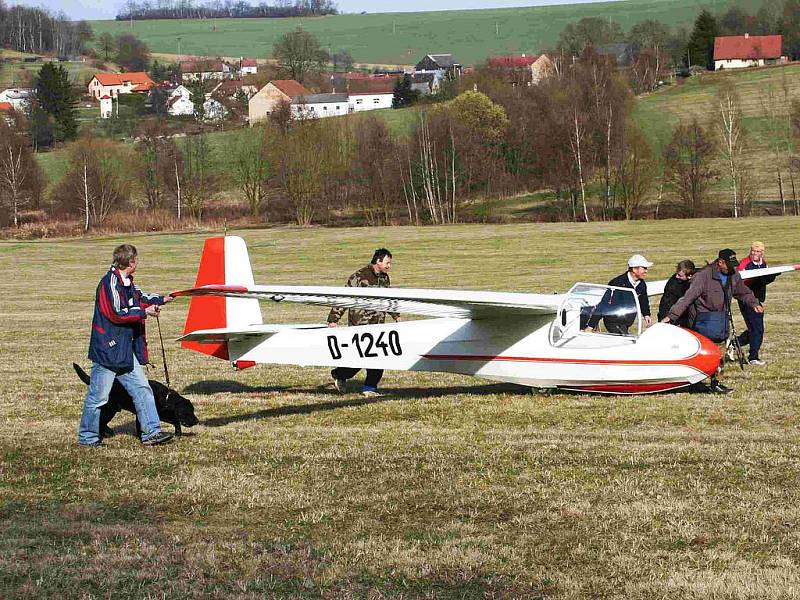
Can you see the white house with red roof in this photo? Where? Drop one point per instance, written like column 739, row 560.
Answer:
column 741, row 51
column 248, row 66
column 113, row 84
column 370, row 94
column 203, row 69
column 106, row 107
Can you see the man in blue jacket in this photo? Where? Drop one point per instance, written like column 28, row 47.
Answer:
column 118, row 349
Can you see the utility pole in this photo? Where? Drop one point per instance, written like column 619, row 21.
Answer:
column 179, row 45
column 497, row 29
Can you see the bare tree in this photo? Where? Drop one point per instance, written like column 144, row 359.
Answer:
column 635, row 170
column 97, row 181
column 728, row 124
column 249, row 164
column 21, row 179
column 688, row 165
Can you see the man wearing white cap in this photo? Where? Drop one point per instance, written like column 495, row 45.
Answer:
column 634, row 279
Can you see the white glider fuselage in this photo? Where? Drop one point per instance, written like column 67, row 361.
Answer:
column 664, row 357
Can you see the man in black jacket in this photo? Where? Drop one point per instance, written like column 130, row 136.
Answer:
column 633, row 278
column 675, row 288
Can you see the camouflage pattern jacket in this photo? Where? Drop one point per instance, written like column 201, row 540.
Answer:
column 364, row 277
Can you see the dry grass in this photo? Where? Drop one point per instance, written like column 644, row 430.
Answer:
column 448, row 488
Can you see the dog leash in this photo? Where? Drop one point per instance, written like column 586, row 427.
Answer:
column 163, row 355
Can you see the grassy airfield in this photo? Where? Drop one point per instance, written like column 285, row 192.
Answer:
column 450, row 487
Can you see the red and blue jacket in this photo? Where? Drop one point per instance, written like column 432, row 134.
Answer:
column 757, row 284
column 118, row 331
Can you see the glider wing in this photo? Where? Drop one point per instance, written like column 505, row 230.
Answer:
column 424, row 302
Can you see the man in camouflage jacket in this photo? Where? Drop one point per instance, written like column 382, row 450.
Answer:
column 375, row 274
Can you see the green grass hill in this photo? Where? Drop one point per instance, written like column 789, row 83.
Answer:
column 404, row 38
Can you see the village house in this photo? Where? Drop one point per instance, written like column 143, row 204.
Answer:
column 425, row 83
column 231, row 87
column 113, row 84
column 619, row 54
column 18, row 98
column 370, row 94
column 536, row 66
column 319, row 106
column 248, row 66
column 203, row 69
column 179, row 102
column 271, row 95
column 440, row 64
column 741, row 51
column 106, row 107
column 213, row 110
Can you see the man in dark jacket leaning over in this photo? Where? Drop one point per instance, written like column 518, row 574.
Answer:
column 633, row 278
column 708, row 299
column 375, row 274
column 118, row 349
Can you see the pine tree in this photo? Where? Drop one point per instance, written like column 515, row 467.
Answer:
column 403, row 94
column 700, row 49
column 54, row 96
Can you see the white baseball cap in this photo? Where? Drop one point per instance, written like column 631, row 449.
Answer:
column 637, row 260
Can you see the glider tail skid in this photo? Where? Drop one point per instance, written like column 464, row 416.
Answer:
column 224, row 261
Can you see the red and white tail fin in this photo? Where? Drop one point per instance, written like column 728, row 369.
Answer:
column 224, row 262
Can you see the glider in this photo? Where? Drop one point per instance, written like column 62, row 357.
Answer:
column 535, row 340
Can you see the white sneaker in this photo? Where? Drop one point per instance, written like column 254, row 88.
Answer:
column 758, row 362
column 340, row 385
column 371, row 394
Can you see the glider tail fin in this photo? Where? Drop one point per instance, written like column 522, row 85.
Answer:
column 224, row 261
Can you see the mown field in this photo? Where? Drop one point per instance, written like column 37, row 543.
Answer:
column 404, row 38
column 449, row 487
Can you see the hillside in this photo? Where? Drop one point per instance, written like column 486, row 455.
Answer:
column 765, row 97
column 403, row 38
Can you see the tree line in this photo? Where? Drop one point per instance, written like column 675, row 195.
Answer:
column 37, row 30
column 224, row 9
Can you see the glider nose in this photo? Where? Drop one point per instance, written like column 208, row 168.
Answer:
column 708, row 356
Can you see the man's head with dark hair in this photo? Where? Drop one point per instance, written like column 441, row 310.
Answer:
column 685, row 269
column 381, row 261
column 123, row 255
column 727, row 261
column 379, row 255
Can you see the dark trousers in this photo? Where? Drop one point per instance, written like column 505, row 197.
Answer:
column 371, row 382
column 754, row 336
column 617, row 327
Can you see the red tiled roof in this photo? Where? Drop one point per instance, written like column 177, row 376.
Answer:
column 201, row 66
column 290, row 87
column 382, row 85
column 105, row 97
column 747, row 47
column 6, row 106
column 136, row 78
column 249, row 62
column 511, row 61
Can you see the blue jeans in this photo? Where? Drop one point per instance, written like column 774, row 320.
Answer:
column 135, row 382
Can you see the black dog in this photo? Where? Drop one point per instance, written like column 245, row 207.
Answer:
column 172, row 407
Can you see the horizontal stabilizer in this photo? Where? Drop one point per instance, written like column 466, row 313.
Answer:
column 225, row 334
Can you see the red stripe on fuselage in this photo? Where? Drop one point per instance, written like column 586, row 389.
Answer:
column 705, row 360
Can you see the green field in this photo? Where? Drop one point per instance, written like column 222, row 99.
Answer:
column 404, row 38
column 449, row 487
